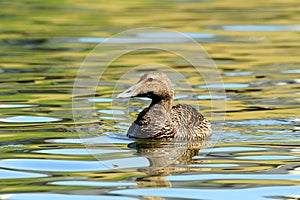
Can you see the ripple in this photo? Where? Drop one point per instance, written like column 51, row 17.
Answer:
column 29, row 119
column 213, row 165
column 94, row 183
column 51, row 165
column 132, row 40
column 112, row 118
column 296, row 150
column 92, row 140
column 296, row 71
column 164, row 37
column 178, row 97
column 100, row 100
column 82, row 151
column 200, row 177
column 112, row 112
column 225, row 85
column 212, row 97
column 46, row 196
column 28, row 41
column 238, row 73
column 261, row 28
column 260, row 122
column 10, row 174
column 91, row 40
column 17, row 105
column 175, row 35
column 267, row 157
column 182, row 193
column 232, row 149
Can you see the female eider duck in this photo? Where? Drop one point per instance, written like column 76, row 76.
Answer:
column 161, row 120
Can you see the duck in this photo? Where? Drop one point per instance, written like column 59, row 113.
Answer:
column 162, row 120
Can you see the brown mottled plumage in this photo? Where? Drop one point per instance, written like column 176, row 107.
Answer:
column 160, row 119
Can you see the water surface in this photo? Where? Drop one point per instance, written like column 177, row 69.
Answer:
column 255, row 45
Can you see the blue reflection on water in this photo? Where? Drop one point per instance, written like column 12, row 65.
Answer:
column 82, row 151
column 170, row 35
column 50, row 196
column 238, row 73
column 10, row 174
column 17, row 105
column 185, row 193
column 29, row 119
column 148, row 38
column 100, row 100
column 267, row 157
column 296, row 71
column 261, row 28
column 225, row 85
column 229, row 176
column 52, row 165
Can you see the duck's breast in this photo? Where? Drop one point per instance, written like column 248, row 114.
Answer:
column 153, row 122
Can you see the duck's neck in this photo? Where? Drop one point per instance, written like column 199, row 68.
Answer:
column 165, row 102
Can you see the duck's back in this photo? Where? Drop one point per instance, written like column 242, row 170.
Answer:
column 191, row 123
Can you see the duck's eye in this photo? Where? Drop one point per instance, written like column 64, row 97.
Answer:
column 150, row 79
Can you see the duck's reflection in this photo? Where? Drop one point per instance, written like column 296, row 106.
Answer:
column 165, row 158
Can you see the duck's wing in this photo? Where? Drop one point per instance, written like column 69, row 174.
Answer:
column 192, row 124
column 152, row 122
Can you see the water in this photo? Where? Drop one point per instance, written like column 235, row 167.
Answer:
column 255, row 46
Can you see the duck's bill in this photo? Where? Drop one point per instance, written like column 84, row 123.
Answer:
column 128, row 93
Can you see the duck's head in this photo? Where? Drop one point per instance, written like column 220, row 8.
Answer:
column 154, row 85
